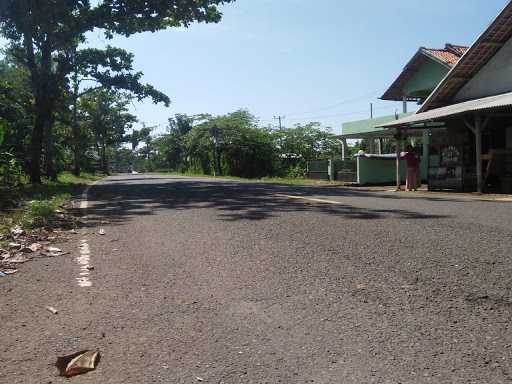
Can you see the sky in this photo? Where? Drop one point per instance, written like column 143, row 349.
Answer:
column 306, row 60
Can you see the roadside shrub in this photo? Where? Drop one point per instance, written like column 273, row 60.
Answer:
column 40, row 212
column 11, row 173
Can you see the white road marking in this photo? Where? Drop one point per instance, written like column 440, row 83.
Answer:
column 85, row 252
column 84, row 261
column 84, row 202
column 323, row 201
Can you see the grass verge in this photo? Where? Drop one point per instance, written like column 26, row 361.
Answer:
column 37, row 203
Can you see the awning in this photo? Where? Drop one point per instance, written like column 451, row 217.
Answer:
column 377, row 134
column 487, row 104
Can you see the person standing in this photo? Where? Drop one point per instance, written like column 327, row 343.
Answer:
column 412, row 160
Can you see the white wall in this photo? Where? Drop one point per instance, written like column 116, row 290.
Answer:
column 493, row 79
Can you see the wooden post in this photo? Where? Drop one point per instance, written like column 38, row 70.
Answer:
column 371, row 141
column 477, row 129
column 380, row 146
column 398, row 153
column 478, row 145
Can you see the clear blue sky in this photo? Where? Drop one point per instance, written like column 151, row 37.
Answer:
column 298, row 57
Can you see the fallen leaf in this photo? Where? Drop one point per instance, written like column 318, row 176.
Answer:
column 17, row 231
column 35, row 247
column 78, row 363
column 14, row 245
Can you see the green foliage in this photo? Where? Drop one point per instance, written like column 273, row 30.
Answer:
column 11, row 174
column 235, row 145
column 45, row 38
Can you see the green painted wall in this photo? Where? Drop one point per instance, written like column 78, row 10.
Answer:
column 377, row 171
column 426, row 79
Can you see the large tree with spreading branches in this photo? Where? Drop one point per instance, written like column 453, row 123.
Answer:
column 46, row 37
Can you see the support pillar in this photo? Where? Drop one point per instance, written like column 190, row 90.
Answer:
column 426, row 151
column 398, row 153
column 371, row 142
column 477, row 129
column 478, row 148
column 344, row 149
column 380, row 146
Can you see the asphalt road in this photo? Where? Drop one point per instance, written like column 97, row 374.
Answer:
column 229, row 282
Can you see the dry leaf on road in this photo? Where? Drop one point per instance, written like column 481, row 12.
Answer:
column 78, row 363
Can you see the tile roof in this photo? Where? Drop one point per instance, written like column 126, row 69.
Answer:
column 476, row 57
column 450, row 55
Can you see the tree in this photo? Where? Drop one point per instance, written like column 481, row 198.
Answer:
column 309, row 141
column 173, row 145
column 110, row 68
column 243, row 148
column 108, row 119
column 45, row 35
column 16, row 107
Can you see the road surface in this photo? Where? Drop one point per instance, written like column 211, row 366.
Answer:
column 200, row 280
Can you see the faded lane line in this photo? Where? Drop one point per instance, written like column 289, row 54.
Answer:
column 85, row 252
column 84, row 260
column 309, row 199
column 84, row 203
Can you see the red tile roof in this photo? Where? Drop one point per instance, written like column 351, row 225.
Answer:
column 476, row 57
column 450, row 55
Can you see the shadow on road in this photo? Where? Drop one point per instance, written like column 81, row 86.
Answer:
column 123, row 198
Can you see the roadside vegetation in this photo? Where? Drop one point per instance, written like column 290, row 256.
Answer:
column 64, row 105
column 237, row 145
column 31, row 206
column 65, row 109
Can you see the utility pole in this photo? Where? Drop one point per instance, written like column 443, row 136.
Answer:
column 280, row 118
column 371, row 111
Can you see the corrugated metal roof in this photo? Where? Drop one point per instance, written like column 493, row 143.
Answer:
column 355, row 128
column 474, row 59
column 486, row 104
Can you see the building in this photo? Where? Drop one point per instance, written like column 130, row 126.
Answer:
column 468, row 116
column 416, row 82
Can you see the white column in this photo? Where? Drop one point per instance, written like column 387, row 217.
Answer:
column 344, row 149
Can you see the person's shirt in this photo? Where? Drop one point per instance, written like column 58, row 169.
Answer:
column 412, row 159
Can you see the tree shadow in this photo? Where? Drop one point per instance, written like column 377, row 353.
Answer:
column 124, row 198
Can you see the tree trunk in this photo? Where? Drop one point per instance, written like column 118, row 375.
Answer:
column 36, row 148
column 77, row 156
column 75, row 128
column 104, row 157
column 50, row 165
